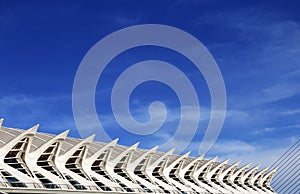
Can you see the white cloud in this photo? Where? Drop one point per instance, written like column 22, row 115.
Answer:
column 232, row 146
column 22, row 110
column 264, row 153
column 269, row 129
column 279, row 91
column 291, row 111
column 121, row 19
column 267, row 64
column 264, row 157
column 276, row 129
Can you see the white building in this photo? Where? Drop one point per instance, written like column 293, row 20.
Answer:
column 33, row 162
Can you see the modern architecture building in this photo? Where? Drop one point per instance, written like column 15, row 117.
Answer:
column 34, row 162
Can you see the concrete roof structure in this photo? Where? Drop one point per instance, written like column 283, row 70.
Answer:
column 34, row 162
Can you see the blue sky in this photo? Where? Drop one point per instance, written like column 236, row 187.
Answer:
column 256, row 45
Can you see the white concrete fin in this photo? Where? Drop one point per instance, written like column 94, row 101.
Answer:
column 170, row 152
column 213, row 171
column 89, row 139
column 264, row 170
column 199, row 170
column 250, row 172
column 200, row 157
column 63, row 158
column 171, row 166
column 214, row 159
column 32, row 130
column 9, row 145
column 115, row 160
column 115, row 141
column 63, row 135
column 229, row 169
column 40, row 150
column 183, row 170
column 236, row 163
column 259, row 175
column 268, row 176
column 255, row 168
column 92, row 159
column 154, row 149
column 135, row 146
column 1, row 121
column 225, row 161
column 245, row 167
column 155, row 163
column 193, row 162
column 187, row 154
column 141, row 157
column 133, row 163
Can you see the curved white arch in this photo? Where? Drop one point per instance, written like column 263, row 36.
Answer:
column 88, row 162
column 151, row 166
column 7, row 148
column 111, row 165
column 200, row 170
column 216, row 171
column 61, row 161
column 32, row 159
column 133, row 164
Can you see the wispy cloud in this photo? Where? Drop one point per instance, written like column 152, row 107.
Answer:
column 255, row 152
column 121, row 19
column 232, row 146
column 270, row 94
column 24, row 111
column 267, row 61
column 126, row 20
column 276, row 129
column 291, row 111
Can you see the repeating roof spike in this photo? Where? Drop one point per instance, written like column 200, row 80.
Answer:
column 44, row 146
column 226, row 161
column 115, row 140
column 267, row 176
column 33, row 129
column 247, row 165
column 64, row 134
column 214, row 159
column 154, row 149
column 158, row 160
column 90, row 160
column 193, row 162
column 236, row 163
column 1, row 121
column 168, row 168
column 241, row 170
column 251, row 171
column 89, row 139
column 135, row 146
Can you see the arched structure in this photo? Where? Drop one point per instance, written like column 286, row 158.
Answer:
column 33, row 162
